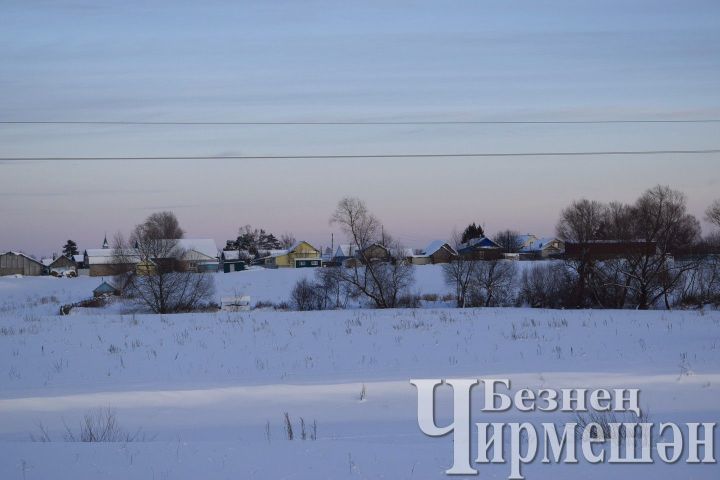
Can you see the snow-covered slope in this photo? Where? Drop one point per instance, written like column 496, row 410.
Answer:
column 210, row 390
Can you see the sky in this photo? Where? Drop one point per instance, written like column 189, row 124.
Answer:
column 361, row 61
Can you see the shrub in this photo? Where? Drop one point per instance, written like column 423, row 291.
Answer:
column 408, row 300
column 545, row 286
column 307, row 295
column 98, row 426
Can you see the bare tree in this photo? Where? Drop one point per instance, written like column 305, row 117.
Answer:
column 712, row 214
column 382, row 282
column 617, row 222
column 287, row 240
column 161, row 281
column 330, row 282
column 493, row 282
column 581, row 223
column 545, row 285
column 660, row 217
column 307, row 295
column 459, row 272
column 509, row 240
column 607, row 281
column 163, row 225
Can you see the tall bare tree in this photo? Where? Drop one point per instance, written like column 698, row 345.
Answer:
column 509, row 240
column 287, row 240
column 459, row 272
column 581, row 223
column 660, row 217
column 163, row 225
column 382, row 282
column 712, row 214
column 492, row 282
column 608, row 283
column 161, row 281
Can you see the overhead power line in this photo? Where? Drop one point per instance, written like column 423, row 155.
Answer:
column 370, row 156
column 350, row 123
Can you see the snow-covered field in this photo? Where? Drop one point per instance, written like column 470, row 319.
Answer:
column 209, row 391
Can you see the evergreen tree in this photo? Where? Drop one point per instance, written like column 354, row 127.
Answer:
column 471, row 232
column 70, row 249
column 256, row 240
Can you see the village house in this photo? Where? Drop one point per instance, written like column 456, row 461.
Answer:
column 547, row 247
column 146, row 267
column 299, row 255
column 17, row 263
column 62, row 266
column 524, row 241
column 233, row 260
column 343, row 253
column 481, row 248
column 79, row 261
column 198, row 254
column 327, row 258
column 106, row 262
column 191, row 254
column 438, row 251
column 375, row 253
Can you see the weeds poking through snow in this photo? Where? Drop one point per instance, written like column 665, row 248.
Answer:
column 99, row 426
column 363, row 393
column 288, row 427
column 290, row 433
column 605, row 425
column 42, row 435
column 685, row 370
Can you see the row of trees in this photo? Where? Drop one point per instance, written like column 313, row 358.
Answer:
column 658, row 217
column 674, row 274
column 678, row 271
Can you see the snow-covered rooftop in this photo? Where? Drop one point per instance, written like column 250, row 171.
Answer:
column 346, row 250
column 537, row 244
column 231, row 254
column 434, row 247
column 21, row 254
column 107, row 256
column 203, row 246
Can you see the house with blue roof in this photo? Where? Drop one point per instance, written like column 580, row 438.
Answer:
column 481, row 248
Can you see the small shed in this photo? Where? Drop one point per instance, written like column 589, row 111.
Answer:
column 105, row 290
column 232, row 261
